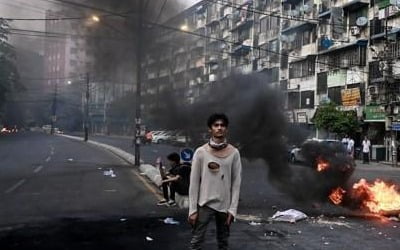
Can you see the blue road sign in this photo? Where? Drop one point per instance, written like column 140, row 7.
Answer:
column 396, row 126
column 187, row 154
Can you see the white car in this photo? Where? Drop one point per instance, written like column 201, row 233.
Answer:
column 297, row 156
column 161, row 137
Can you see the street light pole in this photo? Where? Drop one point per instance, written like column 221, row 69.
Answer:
column 86, row 125
column 139, row 41
column 54, row 108
column 390, row 94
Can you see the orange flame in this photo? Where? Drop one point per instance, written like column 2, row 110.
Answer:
column 337, row 195
column 321, row 164
column 378, row 197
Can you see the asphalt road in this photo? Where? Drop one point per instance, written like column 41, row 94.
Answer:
column 54, row 195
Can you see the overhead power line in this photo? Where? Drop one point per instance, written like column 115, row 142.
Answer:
column 272, row 13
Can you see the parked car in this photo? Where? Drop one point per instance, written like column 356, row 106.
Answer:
column 5, row 131
column 296, row 154
column 179, row 137
column 161, row 137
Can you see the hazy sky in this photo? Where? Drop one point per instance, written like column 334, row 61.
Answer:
column 36, row 9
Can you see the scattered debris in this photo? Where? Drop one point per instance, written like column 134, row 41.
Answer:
column 70, row 160
column 331, row 223
column 149, row 238
column 326, row 243
column 342, row 217
column 299, row 232
column 100, row 168
column 392, row 218
column 123, row 219
column 248, row 217
column 141, row 173
column 253, row 223
column 291, row 215
column 171, row 221
column 110, row 173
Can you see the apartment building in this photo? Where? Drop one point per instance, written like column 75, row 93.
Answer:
column 315, row 50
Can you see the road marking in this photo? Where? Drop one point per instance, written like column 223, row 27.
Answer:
column 48, row 159
column 37, row 170
column 110, row 190
column 147, row 185
column 18, row 184
column 51, row 150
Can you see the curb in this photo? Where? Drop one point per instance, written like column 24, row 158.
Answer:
column 150, row 171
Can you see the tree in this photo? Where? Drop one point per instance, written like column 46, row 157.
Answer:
column 330, row 118
column 9, row 78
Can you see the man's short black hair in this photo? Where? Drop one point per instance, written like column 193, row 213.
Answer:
column 215, row 117
column 174, row 157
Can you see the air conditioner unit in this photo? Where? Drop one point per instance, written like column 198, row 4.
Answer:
column 355, row 30
column 345, row 63
column 373, row 90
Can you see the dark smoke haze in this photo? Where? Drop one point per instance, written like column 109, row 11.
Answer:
column 112, row 41
column 259, row 128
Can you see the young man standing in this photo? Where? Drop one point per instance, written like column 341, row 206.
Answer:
column 214, row 184
column 366, row 144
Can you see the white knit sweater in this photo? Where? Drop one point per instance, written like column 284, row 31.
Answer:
column 216, row 188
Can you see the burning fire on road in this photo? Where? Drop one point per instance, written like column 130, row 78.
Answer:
column 378, row 197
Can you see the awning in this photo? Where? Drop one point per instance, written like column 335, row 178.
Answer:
column 355, row 5
column 361, row 42
column 299, row 27
column 382, row 35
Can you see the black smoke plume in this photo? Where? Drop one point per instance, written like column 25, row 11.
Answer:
column 112, row 41
column 259, row 128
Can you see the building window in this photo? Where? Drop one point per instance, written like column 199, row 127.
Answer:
column 307, row 99
column 302, row 68
column 335, row 95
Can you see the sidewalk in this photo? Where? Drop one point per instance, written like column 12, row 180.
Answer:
column 373, row 165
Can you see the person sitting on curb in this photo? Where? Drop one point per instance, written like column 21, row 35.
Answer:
column 172, row 176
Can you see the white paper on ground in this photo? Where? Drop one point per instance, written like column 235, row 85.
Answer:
column 291, row 215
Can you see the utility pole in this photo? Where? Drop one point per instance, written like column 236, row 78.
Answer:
column 390, row 94
column 54, row 108
column 86, row 125
column 139, row 35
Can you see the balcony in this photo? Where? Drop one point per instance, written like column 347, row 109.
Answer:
column 375, row 73
column 262, row 39
column 324, row 9
column 212, row 59
column 297, row 26
column 352, row 5
column 213, row 19
column 243, row 47
column 244, row 23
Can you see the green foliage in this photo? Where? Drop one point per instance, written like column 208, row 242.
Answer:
column 328, row 117
column 9, row 78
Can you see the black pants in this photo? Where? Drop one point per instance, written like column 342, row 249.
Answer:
column 365, row 157
column 205, row 215
column 172, row 190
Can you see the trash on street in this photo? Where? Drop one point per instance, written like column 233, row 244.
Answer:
column 291, row 215
column 171, row 221
column 110, row 173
